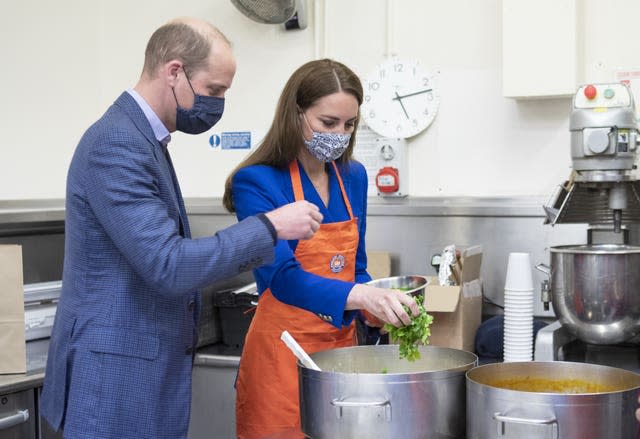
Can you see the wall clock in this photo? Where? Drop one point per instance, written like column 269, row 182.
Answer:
column 401, row 98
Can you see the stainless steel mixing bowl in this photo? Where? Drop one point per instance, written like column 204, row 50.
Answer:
column 595, row 291
column 413, row 285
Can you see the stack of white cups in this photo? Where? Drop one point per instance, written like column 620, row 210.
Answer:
column 518, row 309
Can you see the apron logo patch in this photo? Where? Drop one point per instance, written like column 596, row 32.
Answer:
column 337, row 263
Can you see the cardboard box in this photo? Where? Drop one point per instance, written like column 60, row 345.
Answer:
column 457, row 310
column 378, row 264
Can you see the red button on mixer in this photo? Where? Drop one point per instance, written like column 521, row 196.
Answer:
column 590, row 92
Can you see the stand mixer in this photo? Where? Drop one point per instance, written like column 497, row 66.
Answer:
column 595, row 288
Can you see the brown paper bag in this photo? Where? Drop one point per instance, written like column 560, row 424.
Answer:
column 13, row 357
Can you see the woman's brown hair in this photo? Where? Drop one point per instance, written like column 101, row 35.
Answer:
column 283, row 141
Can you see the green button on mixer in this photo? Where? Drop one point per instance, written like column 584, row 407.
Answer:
column 608, row 93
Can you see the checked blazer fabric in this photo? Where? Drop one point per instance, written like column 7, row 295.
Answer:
column 120, row 354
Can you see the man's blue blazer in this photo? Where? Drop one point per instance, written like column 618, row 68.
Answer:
column 120, row 357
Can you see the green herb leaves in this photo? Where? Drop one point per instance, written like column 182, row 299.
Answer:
column 408, row 336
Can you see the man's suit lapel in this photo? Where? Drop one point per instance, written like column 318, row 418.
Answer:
column 133, row 110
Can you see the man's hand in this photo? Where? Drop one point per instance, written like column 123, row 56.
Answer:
column 299, row 220
column 383, row 304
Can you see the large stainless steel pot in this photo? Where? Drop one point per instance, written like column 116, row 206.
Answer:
column 595, row 291
column 368, row 392
column 513, row 414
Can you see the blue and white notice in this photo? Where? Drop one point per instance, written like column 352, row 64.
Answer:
column 231, row 140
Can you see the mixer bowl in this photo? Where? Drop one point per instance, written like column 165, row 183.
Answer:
column 595, row 291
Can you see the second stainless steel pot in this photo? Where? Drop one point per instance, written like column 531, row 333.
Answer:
column 368, row 392
column 595, row 291
column 497, row 412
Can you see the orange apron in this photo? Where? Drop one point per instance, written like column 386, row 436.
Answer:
column 267, row 387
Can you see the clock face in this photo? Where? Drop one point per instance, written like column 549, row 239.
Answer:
column 401, row 99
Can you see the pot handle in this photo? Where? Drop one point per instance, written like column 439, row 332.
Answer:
column 502, row 420
column 343, row 402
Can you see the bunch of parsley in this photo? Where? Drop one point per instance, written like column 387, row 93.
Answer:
column 409, row 336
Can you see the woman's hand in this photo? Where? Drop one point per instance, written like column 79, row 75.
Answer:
column 638, row 411
column 383, row 304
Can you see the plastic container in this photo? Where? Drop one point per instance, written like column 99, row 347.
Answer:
column 235, row 310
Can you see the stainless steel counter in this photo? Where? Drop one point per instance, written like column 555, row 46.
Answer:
column 214, row 395
column 36, row 363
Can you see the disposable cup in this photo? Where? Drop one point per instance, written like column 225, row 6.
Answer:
column 519, row 298
column 517, row 359
column 528, row 298
column 519, row 316
column 521, row 329
column 512, row 350
column 514, row 335
column 518, row 327
column 517, row 338
column 509, row 299
column 524, row 355
column 509, row 291
column 519, row 277
column 509, row 303
column 522, row 322
column 519, row 310
column 518, row 347
column 517, row 331
column 509, row 306
column 515, row 350
column 512, row 353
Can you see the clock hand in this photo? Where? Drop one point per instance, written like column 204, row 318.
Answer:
column 411, row 94
column 401, row 104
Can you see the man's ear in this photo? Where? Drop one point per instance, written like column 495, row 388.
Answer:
column 170, row 71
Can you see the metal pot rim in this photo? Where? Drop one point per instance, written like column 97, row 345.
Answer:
column 469, row 362
column 596, row 249
column 471, row 378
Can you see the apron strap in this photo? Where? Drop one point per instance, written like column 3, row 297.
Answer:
column 344, row 192
column 296, row 182
column 298, row 193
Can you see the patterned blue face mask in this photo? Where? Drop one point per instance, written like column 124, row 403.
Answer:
column 327, row 147
column 204, row 114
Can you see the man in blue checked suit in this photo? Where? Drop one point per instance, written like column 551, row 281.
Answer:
column 120, row 357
